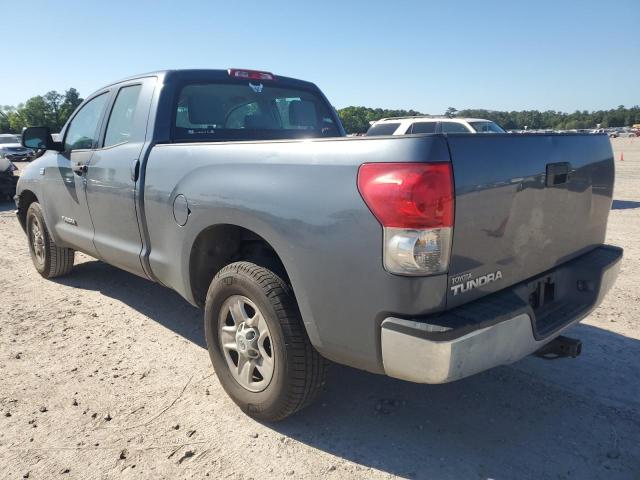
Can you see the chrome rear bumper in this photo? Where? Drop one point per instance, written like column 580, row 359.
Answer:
column 431, row 352
column 425, row 361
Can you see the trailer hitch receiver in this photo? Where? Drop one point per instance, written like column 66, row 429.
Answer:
column 560, row 347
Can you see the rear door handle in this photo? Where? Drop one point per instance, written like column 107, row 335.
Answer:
column 558, row 173
column 80, row 169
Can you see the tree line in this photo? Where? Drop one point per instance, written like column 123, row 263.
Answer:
column 51, row 110
column 356, row 119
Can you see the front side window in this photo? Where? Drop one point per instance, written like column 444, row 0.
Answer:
column 83, row 130
column 453, row 127
column 252, row 111
column 122, row 115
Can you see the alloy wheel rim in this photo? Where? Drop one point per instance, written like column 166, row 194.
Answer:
column 246, row 343
column 37, row 240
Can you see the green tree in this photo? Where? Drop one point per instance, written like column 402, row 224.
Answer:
column 10, row 120
column 34, row 111
column 16, row 119
column 451, row 112
column 49, row 110
column 71, row 101
column 357, row 119
column 53, row 104
column 4, row 120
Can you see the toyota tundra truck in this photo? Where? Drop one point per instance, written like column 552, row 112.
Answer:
column 425, row 257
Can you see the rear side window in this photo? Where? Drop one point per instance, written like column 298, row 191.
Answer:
column 121, row 119
column 382, row 129
column 453, row 127
column 83, row 130
column 250, row 111
column 424, row 127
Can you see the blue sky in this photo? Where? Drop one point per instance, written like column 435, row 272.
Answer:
column 562, row 55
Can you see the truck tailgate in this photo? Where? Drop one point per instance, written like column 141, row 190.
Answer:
column 524, row 204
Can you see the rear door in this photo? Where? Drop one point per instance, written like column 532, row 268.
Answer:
column 524, row 204
column 112, row 176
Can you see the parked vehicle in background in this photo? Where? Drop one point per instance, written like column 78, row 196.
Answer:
column 8, row 179
column 9, row 139
column 427, row 258
column 613, row 133
column 13, row 150
column 425, row 124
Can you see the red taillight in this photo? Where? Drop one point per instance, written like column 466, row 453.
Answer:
column 408, row 195
column 251, row 74
column 414, row 204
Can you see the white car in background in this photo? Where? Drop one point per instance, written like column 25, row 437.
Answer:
column 410, row 125
column 11, row 148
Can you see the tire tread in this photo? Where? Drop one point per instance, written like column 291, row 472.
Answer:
column 309, row 368
column 60, row 259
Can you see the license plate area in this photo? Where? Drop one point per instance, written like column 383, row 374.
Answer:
column 552, row 302
column 541, row 292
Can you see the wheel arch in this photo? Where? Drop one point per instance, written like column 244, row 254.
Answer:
column 216, row 246
column 25, row 199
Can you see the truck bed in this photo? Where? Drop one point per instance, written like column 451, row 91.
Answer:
column 301, row 197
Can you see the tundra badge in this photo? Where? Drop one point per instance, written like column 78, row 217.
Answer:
column 464, row 283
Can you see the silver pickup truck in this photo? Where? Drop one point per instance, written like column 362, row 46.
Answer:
column 424, row 257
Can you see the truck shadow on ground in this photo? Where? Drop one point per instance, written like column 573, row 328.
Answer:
column 7, row 206
column 570, row 418
column 159, row 303
column 624, row 205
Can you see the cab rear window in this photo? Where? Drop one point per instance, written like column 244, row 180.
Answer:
column 250, row 111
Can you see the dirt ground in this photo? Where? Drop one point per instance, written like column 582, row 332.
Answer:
column 105, row 375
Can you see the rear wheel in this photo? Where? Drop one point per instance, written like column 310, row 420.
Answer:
column 49, row 259
column 257, row 344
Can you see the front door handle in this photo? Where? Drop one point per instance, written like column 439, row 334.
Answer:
column 135, row 170
column 80, row 169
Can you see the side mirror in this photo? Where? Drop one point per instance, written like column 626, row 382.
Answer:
column 39, row 138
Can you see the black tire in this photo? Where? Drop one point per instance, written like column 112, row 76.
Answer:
column 49, row 259
column 299, row 372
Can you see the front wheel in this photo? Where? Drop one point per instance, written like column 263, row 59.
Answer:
column 257, row 344
column 49, row 259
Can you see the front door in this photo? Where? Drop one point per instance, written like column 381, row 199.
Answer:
column 65, row 183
